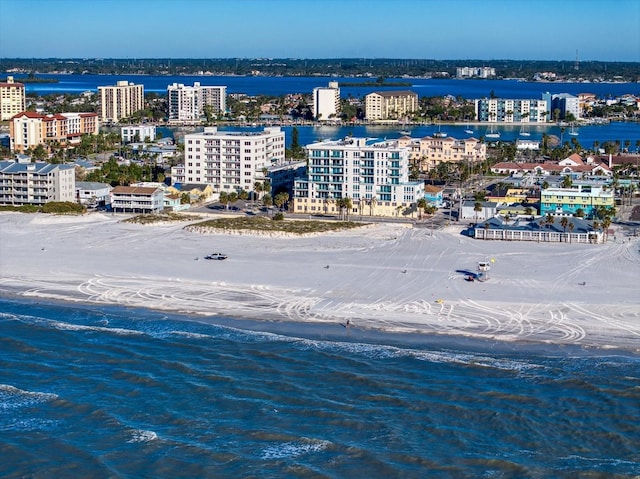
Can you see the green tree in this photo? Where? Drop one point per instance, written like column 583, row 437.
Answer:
column 421, row 204
column 477, row 207
column 224, row 199
column 281, row 199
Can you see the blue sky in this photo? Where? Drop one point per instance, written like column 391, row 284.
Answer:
column 604, row 30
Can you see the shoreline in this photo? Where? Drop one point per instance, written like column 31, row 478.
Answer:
column 457, row 344
column 387, row 279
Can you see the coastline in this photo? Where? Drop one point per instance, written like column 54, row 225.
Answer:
column 387, row 279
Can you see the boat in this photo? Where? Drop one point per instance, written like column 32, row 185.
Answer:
column 524, row 131
column 573, row 131
column 468, row 129
column 439, row 134
column 492, row 132
column 405, row 132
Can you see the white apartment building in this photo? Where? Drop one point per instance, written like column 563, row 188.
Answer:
column 137, row 133
column 475, row 72
column 25, row 183
column 390, row 105
column 373, row 173
column 12, row 99
column 120, row 101
column 187, row 103
column 228, row 160
column 507, row 110
column 326, row 102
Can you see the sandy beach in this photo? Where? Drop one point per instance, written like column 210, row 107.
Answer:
column 385, row 277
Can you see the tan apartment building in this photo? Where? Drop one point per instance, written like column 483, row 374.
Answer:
column 29, row 129
column 12, row 99
column 390, row 105
column 120, row 101
column 429, row 151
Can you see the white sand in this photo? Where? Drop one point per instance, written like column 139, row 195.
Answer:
column 386, row 277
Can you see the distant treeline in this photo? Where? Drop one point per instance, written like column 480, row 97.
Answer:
column 344, row 67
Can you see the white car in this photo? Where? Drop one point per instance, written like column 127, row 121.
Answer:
column 217, row 256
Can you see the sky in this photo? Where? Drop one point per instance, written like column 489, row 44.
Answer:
column 601, row 30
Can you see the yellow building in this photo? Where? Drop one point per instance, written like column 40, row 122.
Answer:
column 390, row 105
column 429, row 151
column 12, row 99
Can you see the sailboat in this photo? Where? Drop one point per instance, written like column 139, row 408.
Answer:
column 524, row 131
column 573, row 131
column 439, row 134
column 468, row 129
column 492, row 132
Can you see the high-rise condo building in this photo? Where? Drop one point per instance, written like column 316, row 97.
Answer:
column 188, row 103
column 390, row 105
column 227, row 160
column 373, row 173
column 12, row 99
column 120, row 101
column 326, row 102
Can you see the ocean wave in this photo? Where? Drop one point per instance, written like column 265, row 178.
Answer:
column 12, row 397
column 294, row 448
column 141, row 435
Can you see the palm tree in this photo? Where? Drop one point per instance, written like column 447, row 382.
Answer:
column 372, row 205
column 606, row 222
column 477, row 207
column 421, row 204
column 571, row 226
column 327, row 201
column 361, row 205
column 347, row 203
column 550, row 221
column 564, row 222
column 257, row 187
column 224, row 199
column 281, row 199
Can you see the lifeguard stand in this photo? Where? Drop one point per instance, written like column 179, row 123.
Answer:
column 483, row 270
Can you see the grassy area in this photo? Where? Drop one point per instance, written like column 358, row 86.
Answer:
column 267, row 225
column 161, row 218
column 55, row 207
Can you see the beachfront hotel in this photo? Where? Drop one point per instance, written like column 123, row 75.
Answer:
column 227, row 160
column 506, row 110
column 120, row 101
column 187, row 103
column 390, row 105
column 373, row 173
column 26, row 183
column 326, row 101
column 29, row 129
column 12, row 99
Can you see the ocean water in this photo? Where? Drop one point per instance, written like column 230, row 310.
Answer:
column 107, row 392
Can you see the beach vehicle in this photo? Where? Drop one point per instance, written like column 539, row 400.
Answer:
column 216, row 256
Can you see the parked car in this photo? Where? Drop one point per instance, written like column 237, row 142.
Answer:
column 216, row 256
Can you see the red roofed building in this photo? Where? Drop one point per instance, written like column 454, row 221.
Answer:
column 12, row 99
column 29, row 129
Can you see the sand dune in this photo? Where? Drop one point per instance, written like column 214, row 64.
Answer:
column 386, row 277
